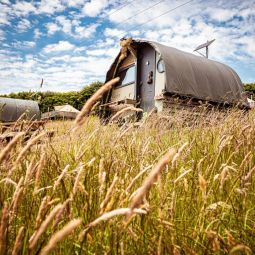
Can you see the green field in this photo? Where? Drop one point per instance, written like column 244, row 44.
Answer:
column 200, row 199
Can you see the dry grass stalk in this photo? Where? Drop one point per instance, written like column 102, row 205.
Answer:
column 30, row 143
column 101, row 177
column 60, row 235
column 248, row 176
column 240, row 248
column 92, row 100
column 137, row 177
column 231, row 240
column 18, row 242
column 9, row 180
column 4, row 229
column 59, row 215
column 147, row 184
column 178, row 154
column 44, row 226
column 30, row 171
column 202, row 185
column 108, row 194
column 109, row 215
column 16, row 197
column 77, row 179
column 60, row 177
column 182, row 175
column 42, row 209
column 5, row 152
column 213, row 240
column 16, row 202
column 246, row 159
column 126, row 109
column 38, row 172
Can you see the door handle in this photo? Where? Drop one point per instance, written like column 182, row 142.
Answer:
column 150, row 77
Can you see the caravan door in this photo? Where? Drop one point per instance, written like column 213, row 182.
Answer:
column 146, row 77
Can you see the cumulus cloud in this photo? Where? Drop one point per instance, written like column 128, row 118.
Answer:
column 58, row 47
column 23, row 25
column 37, row 33
column 23, row 8
column 4, row 17
column 85, row 32
column 50, row 7
column 94, row 7
column 23, row 44
column 66, row 24
column 52, row 28
column 77, row 60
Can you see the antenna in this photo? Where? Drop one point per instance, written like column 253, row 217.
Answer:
column 206, row 46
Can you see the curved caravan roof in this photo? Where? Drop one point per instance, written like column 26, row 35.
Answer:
column 11, row 109
column 191, row 75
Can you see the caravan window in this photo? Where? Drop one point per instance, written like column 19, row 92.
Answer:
column 127, row 76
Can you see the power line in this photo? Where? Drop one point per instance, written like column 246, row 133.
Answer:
column 173, row 9
column 121, row 7
column 142, row 11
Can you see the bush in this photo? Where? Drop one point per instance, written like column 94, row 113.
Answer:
column 47, row 100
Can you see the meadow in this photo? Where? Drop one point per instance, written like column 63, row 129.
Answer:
column 165, row 186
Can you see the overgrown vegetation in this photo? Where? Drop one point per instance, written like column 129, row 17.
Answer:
column 198, row 200
column 250, row 88
column 47, row 100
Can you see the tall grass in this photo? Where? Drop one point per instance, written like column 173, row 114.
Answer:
column 167, row 186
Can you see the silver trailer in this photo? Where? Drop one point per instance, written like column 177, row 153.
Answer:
column 12, row 109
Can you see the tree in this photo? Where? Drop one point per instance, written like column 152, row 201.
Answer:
column 47, row 100
column 250, row 88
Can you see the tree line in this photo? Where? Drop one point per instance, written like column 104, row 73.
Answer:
column 47, row 100
column 250, row 88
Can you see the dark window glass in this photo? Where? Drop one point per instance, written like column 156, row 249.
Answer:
column 127, row 76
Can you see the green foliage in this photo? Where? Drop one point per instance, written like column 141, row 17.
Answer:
column 47, row 100
column 250, row 88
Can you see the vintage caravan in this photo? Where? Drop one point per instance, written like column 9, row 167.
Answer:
column 12, row 109
column 152, row 74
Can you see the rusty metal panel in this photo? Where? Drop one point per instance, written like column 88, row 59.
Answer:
column 11, row 109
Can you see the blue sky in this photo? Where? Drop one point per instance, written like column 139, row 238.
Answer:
column 70, row 43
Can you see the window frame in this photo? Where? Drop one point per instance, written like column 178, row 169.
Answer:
column 161, row 61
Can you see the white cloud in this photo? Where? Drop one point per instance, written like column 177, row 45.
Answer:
column 113, row 32
column 94, row 7
column 66, row 24
column 23, row 25
column 4, row 18
column 74, row 3
column 50, row 7
column 37, row 33
column 220, row 14
column 59, row 47
column 23, row 44
column 66, row 66
column 2, row 35
column 85, row 32
column 23, row 8
column 52, row 28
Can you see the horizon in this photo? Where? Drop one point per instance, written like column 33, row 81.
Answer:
column 72, row 43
